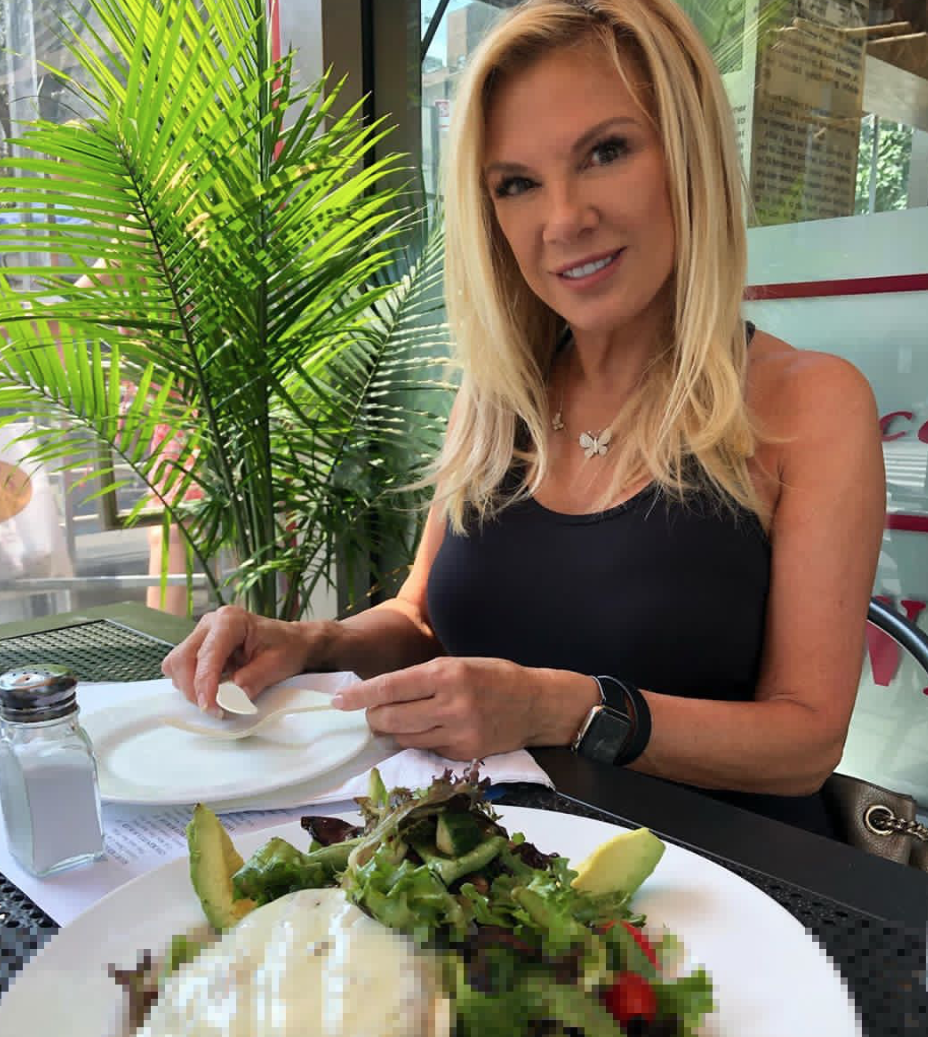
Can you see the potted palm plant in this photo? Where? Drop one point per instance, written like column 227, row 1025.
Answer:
column 224, row 295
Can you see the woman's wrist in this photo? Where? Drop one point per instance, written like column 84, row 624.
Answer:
column 564, row 700
column 323, row 644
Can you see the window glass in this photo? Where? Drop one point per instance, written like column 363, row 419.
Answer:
column 825, row 96
column 831, row 102
column 56, row 552
column 463, row 24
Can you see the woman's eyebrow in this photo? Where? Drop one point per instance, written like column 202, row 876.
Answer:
column 595, row 131
column 581, row 143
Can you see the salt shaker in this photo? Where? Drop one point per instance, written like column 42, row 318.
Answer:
column 48, row 775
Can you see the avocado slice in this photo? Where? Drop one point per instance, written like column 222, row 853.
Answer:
column 213, row 862
column 620, row 864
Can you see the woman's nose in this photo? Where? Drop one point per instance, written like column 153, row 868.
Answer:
column 569, row 214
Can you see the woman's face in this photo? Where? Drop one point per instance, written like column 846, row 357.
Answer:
column 578, row 182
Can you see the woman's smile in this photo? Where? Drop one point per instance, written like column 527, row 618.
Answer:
column 592, row 271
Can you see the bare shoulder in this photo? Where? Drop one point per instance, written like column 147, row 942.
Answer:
column 806, row 393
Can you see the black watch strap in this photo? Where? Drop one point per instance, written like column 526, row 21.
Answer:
column 626, row 698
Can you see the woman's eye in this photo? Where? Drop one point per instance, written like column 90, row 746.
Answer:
column 608, row 151
column 512, row 186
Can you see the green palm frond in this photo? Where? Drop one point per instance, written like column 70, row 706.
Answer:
column 238, row 274
column 376, row 416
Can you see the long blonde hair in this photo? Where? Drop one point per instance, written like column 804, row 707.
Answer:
column 691, row 404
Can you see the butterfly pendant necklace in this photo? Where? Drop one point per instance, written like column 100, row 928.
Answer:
column 592, row 444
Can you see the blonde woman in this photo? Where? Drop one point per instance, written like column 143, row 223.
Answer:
column 655, row 529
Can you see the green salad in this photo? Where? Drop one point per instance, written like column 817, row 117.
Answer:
column 524, row 946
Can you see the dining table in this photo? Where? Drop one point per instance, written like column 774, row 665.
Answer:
column 869, row 915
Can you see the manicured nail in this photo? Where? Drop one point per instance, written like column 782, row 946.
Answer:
column 201, row 700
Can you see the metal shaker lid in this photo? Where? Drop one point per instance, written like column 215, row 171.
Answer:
column 31, row 694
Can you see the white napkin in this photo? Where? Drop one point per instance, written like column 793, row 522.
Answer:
column 406, row 768
column 413, row 768
column 409, row 768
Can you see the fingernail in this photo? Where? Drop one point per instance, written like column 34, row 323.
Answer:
column 201, row 700
column 338, row 700
column 217, row 711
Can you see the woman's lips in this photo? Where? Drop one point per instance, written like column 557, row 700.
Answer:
column 590, row 271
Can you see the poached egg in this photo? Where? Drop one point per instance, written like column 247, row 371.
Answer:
column 307, row 963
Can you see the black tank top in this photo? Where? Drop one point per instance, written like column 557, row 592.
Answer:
column 669, row 595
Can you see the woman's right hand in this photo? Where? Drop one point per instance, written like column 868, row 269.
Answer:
column 251, row 650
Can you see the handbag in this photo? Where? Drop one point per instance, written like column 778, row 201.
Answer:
column 877, row 820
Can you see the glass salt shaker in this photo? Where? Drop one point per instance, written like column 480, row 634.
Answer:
column 48, row 775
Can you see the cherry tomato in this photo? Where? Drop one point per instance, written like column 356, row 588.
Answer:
column 631, row 997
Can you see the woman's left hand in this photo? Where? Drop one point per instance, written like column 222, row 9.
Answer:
column 466, row 708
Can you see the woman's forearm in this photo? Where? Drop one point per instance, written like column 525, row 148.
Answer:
column 388, row 637
column 776, row 746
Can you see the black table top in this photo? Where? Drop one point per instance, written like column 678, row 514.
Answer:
column 860, row 881
column 869, row 914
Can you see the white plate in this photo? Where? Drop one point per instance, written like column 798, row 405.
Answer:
column 771, row 977
column 140, row 760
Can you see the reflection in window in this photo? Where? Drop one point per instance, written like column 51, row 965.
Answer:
column 817, row 84
column 884, row 165
column 722, row 25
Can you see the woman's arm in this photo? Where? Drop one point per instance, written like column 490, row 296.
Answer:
column 396, row 633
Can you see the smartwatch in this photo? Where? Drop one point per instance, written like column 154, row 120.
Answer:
column 618, row 729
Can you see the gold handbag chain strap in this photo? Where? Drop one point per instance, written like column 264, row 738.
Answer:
column 881, row 820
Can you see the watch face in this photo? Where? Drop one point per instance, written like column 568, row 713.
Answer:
column 606, row 733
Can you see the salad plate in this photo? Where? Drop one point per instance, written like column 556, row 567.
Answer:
column 771, row 977
column 141, row 759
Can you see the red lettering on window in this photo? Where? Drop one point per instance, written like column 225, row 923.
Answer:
column 883, row 651
column 887, row 420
